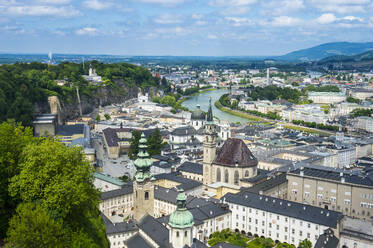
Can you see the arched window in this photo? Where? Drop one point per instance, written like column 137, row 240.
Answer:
column 236, row 177
column 226, row 176
column 247, row 173
column 177, row 234
column 218, row 175
column 146, row 195
column 186, row 234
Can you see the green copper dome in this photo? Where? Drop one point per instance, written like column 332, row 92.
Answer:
column 143, row 162
column 182, row 217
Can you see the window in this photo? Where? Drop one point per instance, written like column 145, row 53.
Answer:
column 186, row 234
column 236, row 177
column 300, row 233
column 277, row 227
column 293, row 231
column 146, row 195
column 294, row 191
column 319, row 196
column 226, row 176
column 333, row 199
column 247, row 174
column 307, row 186
column 347, row 193
column 320, row 188
column 286, row 229
column 177, row 234
column 347, row 202
column 333, row 191
column 270, row 225
column 309, row 225
column 306, row 194
column 243, row 218
column 218, row 175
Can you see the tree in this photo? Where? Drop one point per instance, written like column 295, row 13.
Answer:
column 353, row 100
column 107, row 116
column 228, row 236
column 98, row 118
column 13, row 139
column 305, row 244
column 155, row 143
column 134, row 144
column 32, row 226
column 60, row 179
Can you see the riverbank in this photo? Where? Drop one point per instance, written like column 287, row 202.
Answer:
column 239, row 114
column 180, row 101
column 264, row 121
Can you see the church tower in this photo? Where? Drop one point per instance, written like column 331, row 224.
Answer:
column 143, row 187
column 181, row 223
column 209, row 147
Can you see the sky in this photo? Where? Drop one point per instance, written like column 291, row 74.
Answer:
column 180, row 27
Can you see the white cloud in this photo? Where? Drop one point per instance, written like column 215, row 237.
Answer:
column 232, row 3
column 172, row 31
column 164, row 2
column 239, row 21
column 201, row 23
column 197, row 16
column 41, row 10
column 326, row 18
column 212, row 37
column 341, row 6
column 54, row 1
column 352, row 19
column 87, row 31
column 168, row 19
column 97, row 5
column 285, row 21
column 277, row 7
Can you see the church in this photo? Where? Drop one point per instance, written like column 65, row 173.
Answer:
column 231, row 164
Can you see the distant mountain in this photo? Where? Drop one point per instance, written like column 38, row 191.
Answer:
column 361, row 62
column 326, row 50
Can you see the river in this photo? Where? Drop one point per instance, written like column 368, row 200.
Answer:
column 203, row 101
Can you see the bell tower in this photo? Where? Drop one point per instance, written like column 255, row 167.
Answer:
column 181, row 223
column 143, row 187
column 209, row 147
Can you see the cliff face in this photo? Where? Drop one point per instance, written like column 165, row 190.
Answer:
column 102, row 96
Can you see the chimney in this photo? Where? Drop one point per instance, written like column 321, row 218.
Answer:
column 260, row 192
column 343, row 180
column 301, row 171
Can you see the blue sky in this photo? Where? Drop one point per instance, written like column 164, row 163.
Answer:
column 180, row 27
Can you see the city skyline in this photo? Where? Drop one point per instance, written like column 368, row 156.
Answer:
column 180, row 27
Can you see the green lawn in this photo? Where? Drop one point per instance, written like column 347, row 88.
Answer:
column 240, row 114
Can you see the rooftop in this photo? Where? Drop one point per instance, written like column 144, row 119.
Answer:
column 69, row 130
column 336, row 175
column 125, row 190
column 286, row 208
column 234, row 153
column 191, row 167
column 108, row 179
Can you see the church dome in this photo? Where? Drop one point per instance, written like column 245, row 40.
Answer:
column 182, row 217
column 198, row 114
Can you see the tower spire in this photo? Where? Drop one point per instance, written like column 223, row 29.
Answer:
column 209, row 113
column 143, row 162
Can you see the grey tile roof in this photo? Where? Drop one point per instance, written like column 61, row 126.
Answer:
column 203, row 212
column 122, row 227
column 125, row 190
column 185, row 183
column 287, row 208
column 335, row 175
column 155, row 230
column 262, row 174
column 191, row 167
column 198, row 244
column 184, row 131
column 137, row 241
column 69, row 130
column 268, row 184
column 327, row 240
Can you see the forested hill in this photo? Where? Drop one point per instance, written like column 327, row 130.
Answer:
column 328, row 49
column 24, row 88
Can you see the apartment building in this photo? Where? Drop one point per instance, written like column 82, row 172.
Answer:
column 334, row 189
